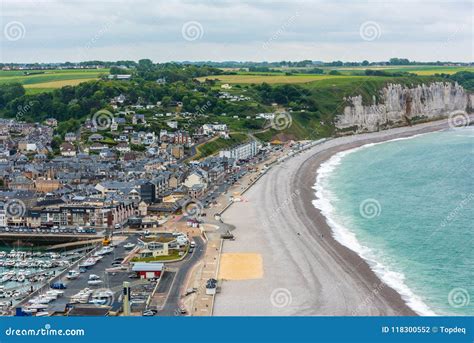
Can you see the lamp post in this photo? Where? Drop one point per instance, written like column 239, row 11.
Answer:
column 126, row 298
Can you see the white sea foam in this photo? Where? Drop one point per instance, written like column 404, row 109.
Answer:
column 324, row 199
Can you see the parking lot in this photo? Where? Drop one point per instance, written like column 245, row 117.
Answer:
column 112, row 281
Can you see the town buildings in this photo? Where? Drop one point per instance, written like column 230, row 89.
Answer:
column 150, row 270
column 102, row 178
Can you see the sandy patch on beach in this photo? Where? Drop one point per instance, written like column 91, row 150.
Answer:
column 245, row 266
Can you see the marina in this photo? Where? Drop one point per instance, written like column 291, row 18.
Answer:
column 23, row 272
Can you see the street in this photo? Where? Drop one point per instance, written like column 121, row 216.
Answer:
column 174, row 295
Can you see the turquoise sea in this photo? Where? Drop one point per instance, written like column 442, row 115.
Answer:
column 407, row 207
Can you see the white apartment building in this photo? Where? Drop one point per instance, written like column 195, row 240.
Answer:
column 241, row 152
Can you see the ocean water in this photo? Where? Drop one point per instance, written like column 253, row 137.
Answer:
column 407, row 207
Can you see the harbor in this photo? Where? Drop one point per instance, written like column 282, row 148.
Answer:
column 23, row 272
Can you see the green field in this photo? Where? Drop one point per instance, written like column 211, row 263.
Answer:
column 272, row 78
column 348, row 72
column 416, row 69
column 50, row 79
column 366, row 86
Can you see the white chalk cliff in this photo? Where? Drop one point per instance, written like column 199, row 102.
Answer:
column 400, row 105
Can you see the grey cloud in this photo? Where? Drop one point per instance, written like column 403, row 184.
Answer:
column 56, row 30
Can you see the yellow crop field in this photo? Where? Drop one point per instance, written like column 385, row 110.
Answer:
column 58, row 84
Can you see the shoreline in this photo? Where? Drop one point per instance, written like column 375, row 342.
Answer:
column 346, row 237
column 320, row 275
column 311, row 171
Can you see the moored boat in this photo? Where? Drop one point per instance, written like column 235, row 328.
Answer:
column 73, row 274
column 94, row 282
column 129, row 246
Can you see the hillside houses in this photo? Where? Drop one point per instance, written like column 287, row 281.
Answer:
column 214, row 129
column 123, row 147
column 96, row 137
column 51, row 122
column 120, row 77
column 267, row 116
column 118, row 100
column 172, row 124
column 138, row 119
column 231, row 97
column 67, row 149
column 70, row 137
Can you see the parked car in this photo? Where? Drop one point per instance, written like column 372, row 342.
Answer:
column 58, row 285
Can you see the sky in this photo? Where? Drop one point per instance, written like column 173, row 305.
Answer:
column 225, row 30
